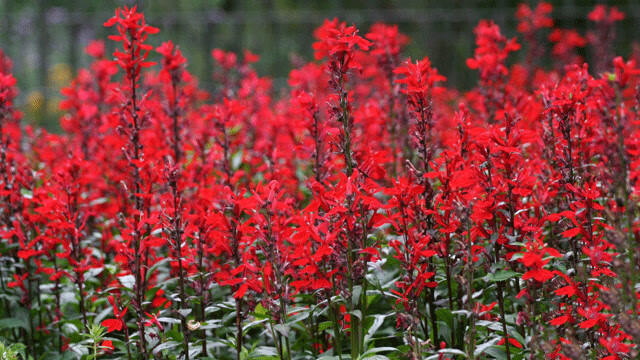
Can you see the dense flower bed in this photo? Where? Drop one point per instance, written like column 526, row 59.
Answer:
column 368, row 211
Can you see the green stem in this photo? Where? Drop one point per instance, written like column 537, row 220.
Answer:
column 471, row 334
column 336, row 327
column 503, row 320
column 238, row 328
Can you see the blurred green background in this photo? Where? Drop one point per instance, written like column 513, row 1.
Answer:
column 46, row 38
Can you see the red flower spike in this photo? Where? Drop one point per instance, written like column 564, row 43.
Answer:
column 133, row 33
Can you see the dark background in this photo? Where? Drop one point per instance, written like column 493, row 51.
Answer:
column 46, row 39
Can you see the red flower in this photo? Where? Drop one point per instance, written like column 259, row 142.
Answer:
column 533, row 259
column 491, row 51
column 532, row 20
column 153, row 320
column 338, row 42
column 512, row 341
column 334, row 37
column 387, row 40
column 600, row 14
column 172, row 57
column 118, row 322
column 133, row 32
column 107, row 344
column 19, row 281
column 96, row 49
column 112, row 324
column 227, row 60
column 420, row 80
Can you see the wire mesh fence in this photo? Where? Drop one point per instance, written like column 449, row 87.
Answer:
column 47, row 42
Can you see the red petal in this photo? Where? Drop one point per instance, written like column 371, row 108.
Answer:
column 111, row 22
column 540, row 275
column 588, row 324
column 112, row 324
column 571, row 232
column 241, row 291
column 566, row 290
column 559, row 320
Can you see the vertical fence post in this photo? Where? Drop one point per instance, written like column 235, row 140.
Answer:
column 207, row 46
column 43, row 40
column 8, row 20
column 74, row 52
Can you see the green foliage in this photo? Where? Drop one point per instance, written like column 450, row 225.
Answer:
column 12, row 352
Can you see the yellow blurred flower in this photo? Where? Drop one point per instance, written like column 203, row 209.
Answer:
column 60, row 75
column 35, row 102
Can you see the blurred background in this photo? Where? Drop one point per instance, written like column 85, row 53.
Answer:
column 46, row 38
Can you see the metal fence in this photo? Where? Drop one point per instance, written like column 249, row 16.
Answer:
column 47, row 42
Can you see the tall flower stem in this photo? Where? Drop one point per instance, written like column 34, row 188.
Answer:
column 177, row 231
column 133, row 32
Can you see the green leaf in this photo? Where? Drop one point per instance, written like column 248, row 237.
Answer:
column 466, row 313
column 165, row 346
column 246, row 327
column 9, row 323
column 356, row 313
column 453, row 351
column 484, row 346
column 26, row 193
column 264, row 352
column 447, row 351
column 502, row 275
column 355, row 297
column 185, row 312
column 377, row 350
column 378, row 320
column 517, row 256
column 152, row 269
column 324, row 325
column 283, row 329
column 211, row 324
column 169, row 320
column 260, row 312
column 244, row 353
column 491, row 325
column 445, row 315
column 236, row 160
column 127, row 281
column 444, row 331
column 18, row 347
column 174, row 335
column 496, row 352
